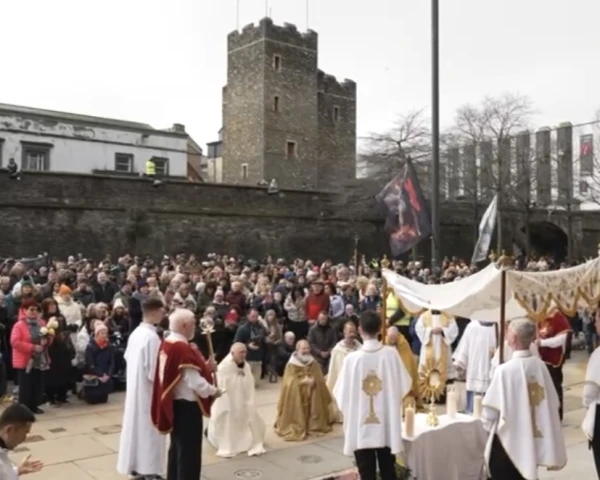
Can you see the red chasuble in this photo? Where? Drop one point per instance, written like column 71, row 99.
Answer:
column 173, row 357
column 554, row 325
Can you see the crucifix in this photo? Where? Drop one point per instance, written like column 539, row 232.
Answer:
column 372, row 385
column 536, row 394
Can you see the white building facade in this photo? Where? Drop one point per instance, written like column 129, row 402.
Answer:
column 46, row 140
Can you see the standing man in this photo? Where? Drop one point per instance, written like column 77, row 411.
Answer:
column 529, row 435
column 554, row 335
column 15, row 425
column 182, row 394
column 369, row 390
column 322, row 339
column 437, row 331
column 473, row 357
column 142, row 448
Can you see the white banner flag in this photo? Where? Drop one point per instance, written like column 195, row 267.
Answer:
column 486, row 230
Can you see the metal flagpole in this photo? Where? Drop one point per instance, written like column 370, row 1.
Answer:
column 307, row 14
column 435, row 132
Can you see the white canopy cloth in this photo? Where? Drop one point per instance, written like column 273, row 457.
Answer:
column 527, row 293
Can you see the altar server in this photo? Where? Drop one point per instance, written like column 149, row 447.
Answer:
column 369, row 391
column 437, row 331
column 142, row 448
column 591, row 400
column 235, row 426
column 473, row 356
column 529, row 435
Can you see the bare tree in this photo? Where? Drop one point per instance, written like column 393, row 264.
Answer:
column 489, row 127
column 409, row 136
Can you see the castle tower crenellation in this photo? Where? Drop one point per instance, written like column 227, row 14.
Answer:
column 283, row 118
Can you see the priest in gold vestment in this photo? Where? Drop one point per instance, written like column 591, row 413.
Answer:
column 305, row 405
column 395, row 339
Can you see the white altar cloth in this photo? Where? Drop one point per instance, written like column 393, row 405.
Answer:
column 454, row 450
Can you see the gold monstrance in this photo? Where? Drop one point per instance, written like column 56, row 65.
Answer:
column 372, row 385
column 432, row 382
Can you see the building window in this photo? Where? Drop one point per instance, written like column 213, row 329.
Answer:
column 161, row 166
column 277, row 63
column 123, row 162
column 276, row 103
column 336, row 114
column 244, row 171
column 583, row 187
column 36, row 156
column 290, row 150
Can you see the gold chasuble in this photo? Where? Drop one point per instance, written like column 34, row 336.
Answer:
column 409, row 361
column 304, row 407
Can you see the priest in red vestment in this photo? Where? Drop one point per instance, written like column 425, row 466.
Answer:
column 554, row 337
column 182, row 394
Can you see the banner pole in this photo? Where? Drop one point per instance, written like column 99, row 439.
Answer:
column 384, row 294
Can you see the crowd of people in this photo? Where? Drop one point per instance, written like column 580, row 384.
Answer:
column 65, row 325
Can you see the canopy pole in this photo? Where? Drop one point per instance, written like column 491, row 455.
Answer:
column 384, row 294
column 502, row 313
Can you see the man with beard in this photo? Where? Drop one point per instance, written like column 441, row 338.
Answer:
column 338, row 354
column 142, row 448
column 135, row 303
column 322, row 338
column 305, row 404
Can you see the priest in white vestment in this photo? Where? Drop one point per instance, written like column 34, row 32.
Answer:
column 235, row 426
column 591, row 400
column 369, row 392
column 345, row 346
column 507, row 355
column 521, row 412
column 473, row 357
column 437, row 331
column 142, row 448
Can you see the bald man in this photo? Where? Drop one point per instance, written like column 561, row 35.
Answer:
column 182, row 394
column 305, row 405
column 235, row 426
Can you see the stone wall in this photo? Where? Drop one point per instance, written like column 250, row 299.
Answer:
column 95, row 215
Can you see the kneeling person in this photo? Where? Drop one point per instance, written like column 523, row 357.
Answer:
column 235, row 425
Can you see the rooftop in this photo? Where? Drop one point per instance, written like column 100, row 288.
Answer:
column 85, row 119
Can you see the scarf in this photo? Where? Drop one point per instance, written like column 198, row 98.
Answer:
column 101, row 342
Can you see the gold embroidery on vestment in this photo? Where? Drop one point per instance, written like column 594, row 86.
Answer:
column 372, row 385
column 536, row 395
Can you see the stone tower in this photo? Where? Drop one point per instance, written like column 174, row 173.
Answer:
column 283, row 119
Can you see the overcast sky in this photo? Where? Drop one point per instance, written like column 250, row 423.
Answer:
column 164, row 62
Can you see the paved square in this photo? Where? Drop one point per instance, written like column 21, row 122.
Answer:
column 81, row 441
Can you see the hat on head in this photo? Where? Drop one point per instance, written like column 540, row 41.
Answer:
column 142, row 283
column 64, row 290
column 118, row 303
column 27, row 282
column 99, row 327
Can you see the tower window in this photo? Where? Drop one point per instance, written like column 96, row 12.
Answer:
column 336, row 114
column 245, row 171
column 277, row 63
column 290, row 150
column 276, row 103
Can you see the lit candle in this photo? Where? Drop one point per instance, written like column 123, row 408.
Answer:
column 409, row 421
column 477, row 406
column 451, row 403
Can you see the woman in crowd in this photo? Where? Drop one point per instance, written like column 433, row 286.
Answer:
column 70, row 309
column 273, row 339
column 29, row 346
column 59, row 377
column 295, row 308
column 118, row 321
column 99, row 366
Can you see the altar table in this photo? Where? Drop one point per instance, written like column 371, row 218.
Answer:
column 454, row 450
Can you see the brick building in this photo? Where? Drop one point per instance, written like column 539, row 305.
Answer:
column 283, row 118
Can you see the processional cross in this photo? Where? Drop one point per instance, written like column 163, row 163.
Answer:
column 536, row 395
